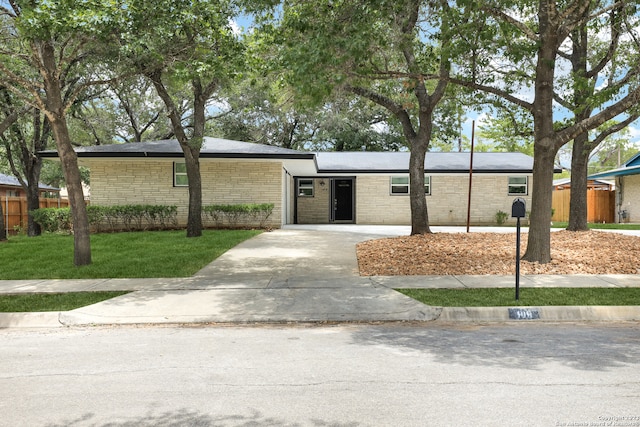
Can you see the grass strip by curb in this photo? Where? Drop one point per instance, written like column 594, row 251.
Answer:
column 18, row 303
column 503, row 297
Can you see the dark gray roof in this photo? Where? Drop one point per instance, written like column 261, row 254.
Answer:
column 327, row 162
column 12, row 181
column 398, row 162
column 212, row 148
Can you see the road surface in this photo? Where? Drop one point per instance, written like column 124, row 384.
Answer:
column 527, row 374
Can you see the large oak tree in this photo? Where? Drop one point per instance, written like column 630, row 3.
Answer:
column 518, row 33
column 185, row 44
column 43, row 60
column 380, row 51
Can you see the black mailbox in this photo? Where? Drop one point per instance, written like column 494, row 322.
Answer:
column 518, row 208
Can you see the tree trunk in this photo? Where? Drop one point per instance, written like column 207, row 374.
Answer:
column 33, row 166
column 578, row 201
column 55, row 112
column 539, row 240
column 73, row 181
column 190, row 146
column 194, row 217
column 3, row 228
column 33, row 203
column 418, row 201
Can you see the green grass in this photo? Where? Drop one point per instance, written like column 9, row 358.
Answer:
column 116, row 255
column 499, row 297
column 53, row 302
column 598, row 226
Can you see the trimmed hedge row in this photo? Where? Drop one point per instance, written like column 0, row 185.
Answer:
column 236, row 215
column 143, row 217
column 110, row 218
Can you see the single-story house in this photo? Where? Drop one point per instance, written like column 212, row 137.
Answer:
column 592, row 184
column 14, row 201
column 308, row 187
column 11, row 187
column 627, row 182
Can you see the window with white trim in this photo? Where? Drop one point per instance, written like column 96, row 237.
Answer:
column 400, row 185
column 305, row 188
column 180, row 174
column 518, row 185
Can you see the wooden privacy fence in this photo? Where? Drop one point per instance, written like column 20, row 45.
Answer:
column 15, row 212
column 600, row 205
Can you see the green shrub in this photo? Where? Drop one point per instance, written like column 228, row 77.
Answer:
column 53, row 219
column 110, row 218
column 501, row 217
column 250, row 213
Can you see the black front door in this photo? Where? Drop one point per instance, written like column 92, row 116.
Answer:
column 342, row 198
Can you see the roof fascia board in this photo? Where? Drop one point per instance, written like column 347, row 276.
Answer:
column 139, row 155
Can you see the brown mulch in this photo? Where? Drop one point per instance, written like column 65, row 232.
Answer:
column 588, row 252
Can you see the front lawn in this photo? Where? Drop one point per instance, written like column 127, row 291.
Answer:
column 116, row 255
column 501, row 297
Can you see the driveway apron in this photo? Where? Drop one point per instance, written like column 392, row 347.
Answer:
column 286, row 275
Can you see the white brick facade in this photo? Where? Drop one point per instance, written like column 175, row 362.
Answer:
column 124, row 181
column 630, row 200
column 447, row 204
column 236, row 181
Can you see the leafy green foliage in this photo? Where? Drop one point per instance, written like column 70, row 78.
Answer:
column 511, row 130
column 263, row 112
column 189, row 38
column 234, row 215
column 110, row 218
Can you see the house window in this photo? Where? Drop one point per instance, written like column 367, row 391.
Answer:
column 518, row 185
column 305, row 188
column 400, row 185
column 180, row 174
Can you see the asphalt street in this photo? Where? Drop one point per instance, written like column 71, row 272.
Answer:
column 322, row 375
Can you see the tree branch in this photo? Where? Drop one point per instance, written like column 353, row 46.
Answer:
column 494, row 91
column 396, row 109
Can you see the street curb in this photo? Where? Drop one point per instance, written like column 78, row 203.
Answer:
column 62, row 319
column 594, row 313
column 46, row 319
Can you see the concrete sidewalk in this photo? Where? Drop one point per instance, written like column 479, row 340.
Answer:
column 299, row 274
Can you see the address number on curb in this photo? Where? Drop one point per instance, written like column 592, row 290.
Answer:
column 523, row 314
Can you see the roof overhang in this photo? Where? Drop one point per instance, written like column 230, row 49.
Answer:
column 634, row 170
column 138, row 155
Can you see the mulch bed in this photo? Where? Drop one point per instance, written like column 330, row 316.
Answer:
column 588, row 252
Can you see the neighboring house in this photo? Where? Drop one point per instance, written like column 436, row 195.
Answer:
column 14, row 201
column 305, row 187
column 627, row 182
column 592, row 184
column 10, row 186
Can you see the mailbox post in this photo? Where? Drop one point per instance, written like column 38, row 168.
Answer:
column 518, row 210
